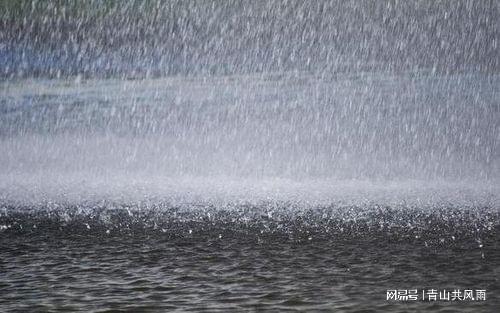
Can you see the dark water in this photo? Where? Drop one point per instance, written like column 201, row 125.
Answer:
column 248, row 156
column 335, row 259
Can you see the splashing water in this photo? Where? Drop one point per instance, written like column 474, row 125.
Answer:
column 195, row 149
column 302, row 142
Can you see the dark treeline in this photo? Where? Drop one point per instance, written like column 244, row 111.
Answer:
column 179, row 37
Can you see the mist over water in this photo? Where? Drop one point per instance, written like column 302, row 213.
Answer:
column 230, row 133
column 196, row 154
column 269, row 105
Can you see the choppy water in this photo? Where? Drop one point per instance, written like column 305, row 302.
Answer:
column 248, row 155
column 246, row 259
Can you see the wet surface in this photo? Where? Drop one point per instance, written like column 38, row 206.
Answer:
column 296, row 262
column 248, row 156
